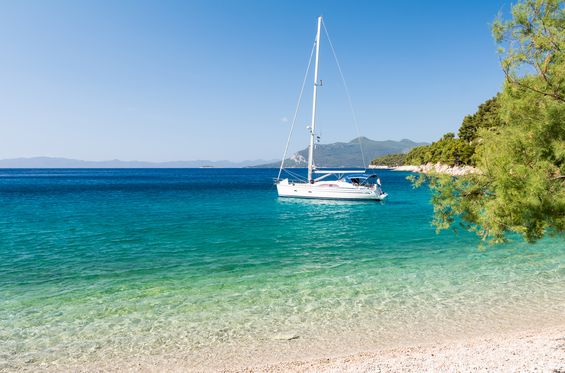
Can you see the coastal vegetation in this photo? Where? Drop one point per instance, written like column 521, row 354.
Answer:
column 448, row 150
column 516, row 139
column 451, row 150
column 390, row 160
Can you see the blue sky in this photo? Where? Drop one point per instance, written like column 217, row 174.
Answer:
column 184, row 80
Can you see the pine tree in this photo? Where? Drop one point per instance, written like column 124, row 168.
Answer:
column 521, row 187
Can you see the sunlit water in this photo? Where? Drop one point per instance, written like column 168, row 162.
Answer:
column 209, row 266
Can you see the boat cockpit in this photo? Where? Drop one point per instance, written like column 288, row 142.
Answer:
column 362, row 180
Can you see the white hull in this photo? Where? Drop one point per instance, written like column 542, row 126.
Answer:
column 329, row 190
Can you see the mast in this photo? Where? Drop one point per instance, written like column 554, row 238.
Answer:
column 313, row 126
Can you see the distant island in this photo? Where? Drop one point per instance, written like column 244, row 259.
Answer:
column 50, row 162
column 347, row 154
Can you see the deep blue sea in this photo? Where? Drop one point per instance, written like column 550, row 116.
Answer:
column 106, row 266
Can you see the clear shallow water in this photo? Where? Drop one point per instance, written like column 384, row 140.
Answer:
column 209, row 266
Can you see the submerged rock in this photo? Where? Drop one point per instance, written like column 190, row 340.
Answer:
column 285, row 336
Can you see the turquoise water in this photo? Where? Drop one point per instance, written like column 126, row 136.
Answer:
column 210, row 267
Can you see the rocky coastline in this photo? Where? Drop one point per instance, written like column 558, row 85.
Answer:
column 431, row 168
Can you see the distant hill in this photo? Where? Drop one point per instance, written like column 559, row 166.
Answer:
column 347, row 154
column 49, row 162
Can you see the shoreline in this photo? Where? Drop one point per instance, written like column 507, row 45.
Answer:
column 524, row 351
column 539, row 349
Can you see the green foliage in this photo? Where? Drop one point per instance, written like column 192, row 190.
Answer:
column 449, row 150
column 521, row 187
column 531, row 45
column 390, row 160
column 487, row 116
column 459, row 151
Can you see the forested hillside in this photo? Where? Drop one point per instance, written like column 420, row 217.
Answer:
column 452, row 150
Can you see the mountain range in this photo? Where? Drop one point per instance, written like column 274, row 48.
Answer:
column 339, row 154
column 49, row 162
column 347, row 154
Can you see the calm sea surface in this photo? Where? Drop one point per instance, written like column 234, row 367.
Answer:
column 209, row 266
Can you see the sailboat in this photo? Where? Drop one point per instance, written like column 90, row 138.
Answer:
column 327, row 184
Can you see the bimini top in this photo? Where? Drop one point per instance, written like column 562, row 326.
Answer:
column 359, row 177
column 339, row 171
column 362, row 179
